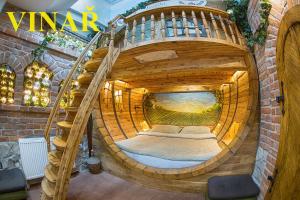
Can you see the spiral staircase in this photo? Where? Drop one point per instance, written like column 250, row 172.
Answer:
column 91, row 79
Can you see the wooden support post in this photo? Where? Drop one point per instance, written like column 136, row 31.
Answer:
column 152, row 27
column 143, row 28
column 126, row 36
column 196, row 24
column 57, row 120
column 185, row 24
column 133, row 32
column 89, row 132
column 163, row 25
column 106, row 42
column 205, row 24
column 231, row 32
column 174, row 24
column 215, row 25
column 224, row 28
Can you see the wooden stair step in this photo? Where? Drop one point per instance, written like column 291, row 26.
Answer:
column 44, row 197
column 71, row 113
column 48, row 189
column 59, row 143
column 50, row 175
column 78, row 92
column 93, row 65
column 53, row 159
column 85, row 78
column 100, row 52
column 71, row 109
column 64, row 125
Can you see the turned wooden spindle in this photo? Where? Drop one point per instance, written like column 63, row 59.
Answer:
column 213, row 20
column 143, row 28
column 205, row 24
column 185, row 24
column 231, row 32
column 133, row 32
column 126, row 35
column 152, row 27
column 224, row 28
column 240, row 38
column 196, row 24
column 174, row 24
column 163, row 25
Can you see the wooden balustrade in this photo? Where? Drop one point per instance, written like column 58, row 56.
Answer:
column 181, row 21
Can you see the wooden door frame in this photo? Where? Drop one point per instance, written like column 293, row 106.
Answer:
column 291, row 17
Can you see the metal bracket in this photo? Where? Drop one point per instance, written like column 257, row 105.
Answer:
column 272, row 180
column 280, row 99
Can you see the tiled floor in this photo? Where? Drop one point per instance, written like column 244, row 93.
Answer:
column 107, row 187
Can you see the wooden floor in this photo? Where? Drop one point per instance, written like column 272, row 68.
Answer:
column 107, row 187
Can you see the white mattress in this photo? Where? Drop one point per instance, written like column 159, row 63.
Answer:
column 162, row 150
column 160, row 162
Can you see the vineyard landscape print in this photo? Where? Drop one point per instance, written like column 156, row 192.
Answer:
column 183, row 109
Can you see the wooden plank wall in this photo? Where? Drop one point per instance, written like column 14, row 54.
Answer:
column 117, row 119
column 242, row 93
column 109, row 115
column 236, row 102
column 137, row 108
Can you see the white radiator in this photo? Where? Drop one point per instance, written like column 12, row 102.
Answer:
column 34, row 156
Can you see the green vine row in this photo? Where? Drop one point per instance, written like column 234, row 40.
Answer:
column 59, row 38
column 40, row 50
column 238, row 13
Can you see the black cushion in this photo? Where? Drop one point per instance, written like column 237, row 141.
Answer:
column 12, row 180
column 232, row 187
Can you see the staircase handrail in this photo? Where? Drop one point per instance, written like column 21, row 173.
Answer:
column 66, row 85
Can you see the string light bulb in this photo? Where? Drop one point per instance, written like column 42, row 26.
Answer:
column 37, row 84
column 7, row 83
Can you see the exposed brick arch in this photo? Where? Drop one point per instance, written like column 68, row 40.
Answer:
column 269, row 88
column 16, row 119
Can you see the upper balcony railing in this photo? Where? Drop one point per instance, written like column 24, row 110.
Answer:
column 186, row 22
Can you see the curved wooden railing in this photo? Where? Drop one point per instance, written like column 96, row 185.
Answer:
column 66, row 85
column 81, row 119
column 181, row 22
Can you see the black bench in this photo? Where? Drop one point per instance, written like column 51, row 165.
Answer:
column 232, row 187
column 12, row 184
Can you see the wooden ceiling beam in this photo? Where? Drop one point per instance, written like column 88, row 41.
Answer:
column 182, row 81
column 179, row 68
column 170, row 75
column 190, row 88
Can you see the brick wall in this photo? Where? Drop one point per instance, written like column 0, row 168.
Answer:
column 269, row 89
column 18, row 120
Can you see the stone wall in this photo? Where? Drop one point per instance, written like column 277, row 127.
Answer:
column 18, row 120
column 269, row 89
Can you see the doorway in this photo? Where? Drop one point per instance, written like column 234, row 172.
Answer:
column 287, row 173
